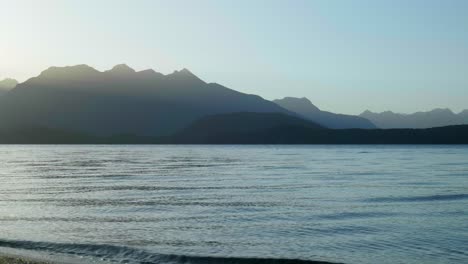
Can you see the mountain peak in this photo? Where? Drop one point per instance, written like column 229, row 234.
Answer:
column 121, row 69
column 442, row 111
column 367, row 112
column 184, row 75
column 300, row 104
column 78, row 67
column 9, row 80
column 69, row 72
column 8, row 84
column 150, row 73
column 185, row 72
column 305, row 108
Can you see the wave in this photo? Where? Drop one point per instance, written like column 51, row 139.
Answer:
column 121, row 254
column 429, row 198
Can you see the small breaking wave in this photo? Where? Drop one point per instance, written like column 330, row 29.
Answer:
column 429, row 198
column 118, row 254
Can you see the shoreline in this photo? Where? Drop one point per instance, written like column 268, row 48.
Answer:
column 25, row 258
column 19, row 256
column 13, row 259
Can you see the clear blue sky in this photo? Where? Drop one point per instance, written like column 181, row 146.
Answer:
column 345, row 56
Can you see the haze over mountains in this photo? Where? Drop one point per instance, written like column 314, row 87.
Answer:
column 121, row 101
column 78, row 104
column 435, row 118
column 7, row 84
column 305, row 108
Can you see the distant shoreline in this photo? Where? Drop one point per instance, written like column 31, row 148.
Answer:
column 216, row 133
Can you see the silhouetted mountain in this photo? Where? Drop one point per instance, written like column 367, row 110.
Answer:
column 79, row 104
column 306, row 109
column 242, row 128
column 7, row 84
column 217, row 127
column 121, row 101
column 434, row 118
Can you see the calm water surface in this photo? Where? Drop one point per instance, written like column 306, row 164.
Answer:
column 155, row 204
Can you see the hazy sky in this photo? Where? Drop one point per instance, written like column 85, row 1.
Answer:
column 345, row 56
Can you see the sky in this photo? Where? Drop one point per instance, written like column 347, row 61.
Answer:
column 346, row 56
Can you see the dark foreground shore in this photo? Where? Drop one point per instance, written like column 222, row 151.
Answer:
column 19, row 260
column 15, row 259
column 244, row 128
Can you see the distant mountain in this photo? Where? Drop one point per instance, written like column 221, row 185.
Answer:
column 7, row 84
column 464, row 114
column 435, row 118
column 121, row 101
column 306, row 109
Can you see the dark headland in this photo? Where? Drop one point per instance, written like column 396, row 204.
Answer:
column 248, row 128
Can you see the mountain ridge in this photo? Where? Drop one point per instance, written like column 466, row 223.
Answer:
column 121, row 100
column 437, row 117
column 306, row 109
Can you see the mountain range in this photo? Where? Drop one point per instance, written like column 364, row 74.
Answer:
column 435, row 118
column 121, row 101
column 79, row 104
column 306, row 109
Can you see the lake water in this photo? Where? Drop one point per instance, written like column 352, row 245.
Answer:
column 214, row 204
